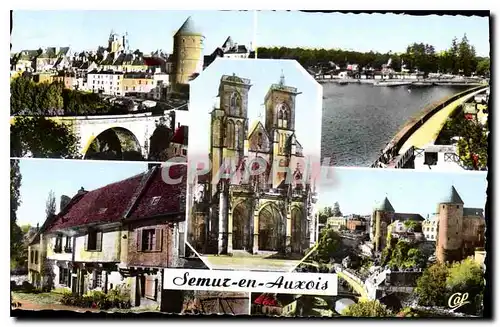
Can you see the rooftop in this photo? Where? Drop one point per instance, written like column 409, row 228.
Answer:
column 452, row 197
column 188, row 28
column 385, row 206
column 142, row 196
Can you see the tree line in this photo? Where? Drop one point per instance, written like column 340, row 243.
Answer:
column 459, row 58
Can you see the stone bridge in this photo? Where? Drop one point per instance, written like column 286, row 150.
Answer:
column 129, row 132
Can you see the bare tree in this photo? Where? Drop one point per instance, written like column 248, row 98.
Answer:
column 50, row 205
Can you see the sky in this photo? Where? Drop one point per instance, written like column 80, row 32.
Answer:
column 147, row 30
column 358, row 191
column 262, row 74
column 365, row 32
column 65, row 177
column 152, row 30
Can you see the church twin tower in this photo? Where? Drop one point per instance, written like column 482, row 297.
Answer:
column 274, row 142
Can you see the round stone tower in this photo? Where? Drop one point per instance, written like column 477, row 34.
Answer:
column 187, row 53
column 382, row 217
column 450, row 223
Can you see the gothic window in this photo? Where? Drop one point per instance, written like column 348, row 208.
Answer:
column 259, row 140
column 216, row 133
column 235, row 104
column 230, row 134
column 283, row 115
column 238, row 136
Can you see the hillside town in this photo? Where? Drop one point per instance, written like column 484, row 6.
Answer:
column 118, row 73
column 387, row 258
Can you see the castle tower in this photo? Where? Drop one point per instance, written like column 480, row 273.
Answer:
column 280, row 124
column 450, row 222
column 383, row 216
column 187, row 53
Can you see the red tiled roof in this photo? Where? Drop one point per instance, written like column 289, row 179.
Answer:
column 172, row 196
column 103, row 205
column 152, row 61
column 111, row 202
column 179, row 136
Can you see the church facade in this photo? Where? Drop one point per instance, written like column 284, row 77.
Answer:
column 257, row 197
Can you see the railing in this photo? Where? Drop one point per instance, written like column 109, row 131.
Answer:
column 391, row 151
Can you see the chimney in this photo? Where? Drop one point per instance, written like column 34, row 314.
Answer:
column 64, row 202
column 178, row 125
column 37, row 227
column 81, row 191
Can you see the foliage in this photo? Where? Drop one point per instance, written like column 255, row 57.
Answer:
column 431, row 286
column 483, row 67
column 116, row 298
column 50, row 204
column 473, row 142
column 367, row 309
column 460, row 57
column 336, row 210
column 467, row 277
column 411, row 225
column 403, row 254
column 407, row 312
column 16, row 234
column 439, row 282
column 42, row 138
column 325, row 214
column 30, row 98
column 329, row 243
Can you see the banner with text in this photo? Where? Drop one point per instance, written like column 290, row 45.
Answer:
column 250, row 281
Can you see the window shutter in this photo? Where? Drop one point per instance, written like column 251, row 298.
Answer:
column 158, row 239
column 94, row 279
column 182, row 246
column 138, row 234
column 98, row 241
column 86, row 243
column 69, row 278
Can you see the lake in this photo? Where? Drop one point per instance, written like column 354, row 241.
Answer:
column 359, row 120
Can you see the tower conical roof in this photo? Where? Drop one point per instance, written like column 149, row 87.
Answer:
column 385, row 206
column 188, row 28
column 452, row 197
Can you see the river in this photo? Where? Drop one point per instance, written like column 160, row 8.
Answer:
column 359, row 119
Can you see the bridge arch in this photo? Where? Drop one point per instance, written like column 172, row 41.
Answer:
column 115, row 143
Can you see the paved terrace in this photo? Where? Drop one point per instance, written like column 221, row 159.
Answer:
column 252, row 263
column 430, row 130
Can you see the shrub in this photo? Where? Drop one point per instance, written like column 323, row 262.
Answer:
column 116, row 298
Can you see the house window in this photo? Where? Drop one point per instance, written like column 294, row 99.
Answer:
column 155, row 200
column 94, row 241
column 58, row 245
column 67, row 246
column 149, row 240
column 98, row 279
column 32, row 256
column 184, row 152
column 430, row 158
column 36, row 257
